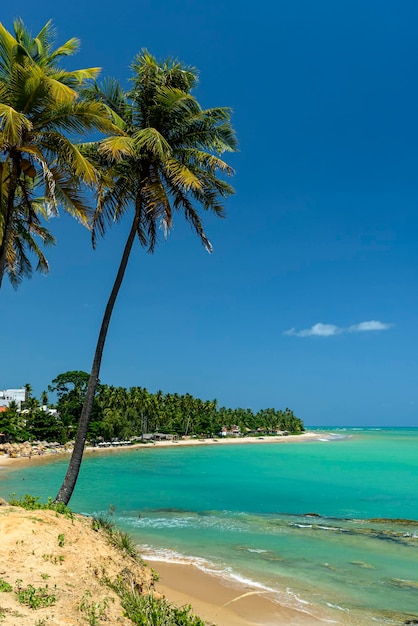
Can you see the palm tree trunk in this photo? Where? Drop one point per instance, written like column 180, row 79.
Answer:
column 67, row 487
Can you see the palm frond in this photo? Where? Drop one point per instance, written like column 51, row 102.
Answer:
column 181, row 175
column 69, row 48
column 77, row 77
column 117, row 147
column 61, row 147
column 7, row 46
column 177, row 101
column 183, row 203
column 60, row 92
column 13, row 124
column 69, row 195
column 149, row 140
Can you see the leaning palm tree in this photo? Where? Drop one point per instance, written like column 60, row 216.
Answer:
column 40, row 108
column 166, row 161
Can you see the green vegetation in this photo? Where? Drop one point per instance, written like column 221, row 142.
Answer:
column 143, row 610
column 127, row 413
column 123, row 413
column 4, row 585
column 40, row 167
column 121, row 540
column 102, row 521
column 150, row 611
column 35, row 598
column 32, row 503
column 93, row 611
column 56, row 559
column 124, row 543
column 61, row 540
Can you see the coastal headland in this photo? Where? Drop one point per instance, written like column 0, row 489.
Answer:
column 69, row 561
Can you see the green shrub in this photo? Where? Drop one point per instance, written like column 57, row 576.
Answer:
column 4, row 585
column 121, row 540
column 93, row 611
column 35, row 598
column 31, row 503
column 124, row 543
column 150, row 611
column 103, row 521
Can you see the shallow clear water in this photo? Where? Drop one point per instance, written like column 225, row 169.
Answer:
column 320, row 523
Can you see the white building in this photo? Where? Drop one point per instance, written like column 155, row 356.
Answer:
column 12, row 395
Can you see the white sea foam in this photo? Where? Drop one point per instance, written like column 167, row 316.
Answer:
column 285, row 598
column 183, row 521
column 333, row 437
column 258, row 551
column 336, row 606
column 164, row 522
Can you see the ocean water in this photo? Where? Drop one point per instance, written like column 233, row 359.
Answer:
column 328, row 526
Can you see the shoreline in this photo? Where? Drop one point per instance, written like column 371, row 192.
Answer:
column 228, row 603
column 52, row 454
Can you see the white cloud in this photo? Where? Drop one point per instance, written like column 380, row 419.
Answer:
column 319, row 330
column 329, row 330
column 366, row 326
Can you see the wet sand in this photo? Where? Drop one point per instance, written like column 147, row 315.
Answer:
column 220, row 602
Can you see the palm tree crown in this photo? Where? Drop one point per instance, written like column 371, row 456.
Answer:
column 166, row 160
column 40, row 108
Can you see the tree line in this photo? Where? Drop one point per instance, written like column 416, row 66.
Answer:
column 121, row 413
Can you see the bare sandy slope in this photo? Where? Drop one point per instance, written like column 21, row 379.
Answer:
column 42, row 548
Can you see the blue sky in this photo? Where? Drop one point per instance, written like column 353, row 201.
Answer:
column 310, row 297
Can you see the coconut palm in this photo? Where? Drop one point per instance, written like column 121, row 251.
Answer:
column 166, row 161
column 40, row 108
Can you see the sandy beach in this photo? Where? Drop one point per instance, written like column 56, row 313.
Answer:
column 52, row 454
column 216, row 600
column 223, row 603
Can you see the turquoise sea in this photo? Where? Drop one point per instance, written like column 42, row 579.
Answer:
column 329, row 524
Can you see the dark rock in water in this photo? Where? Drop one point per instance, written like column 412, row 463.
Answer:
column 404, row 584
column 389, row 520
column 363, row 564
column 411, row 621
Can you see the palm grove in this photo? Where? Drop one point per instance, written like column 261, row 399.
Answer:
column 155, row 152
column 124, row 414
